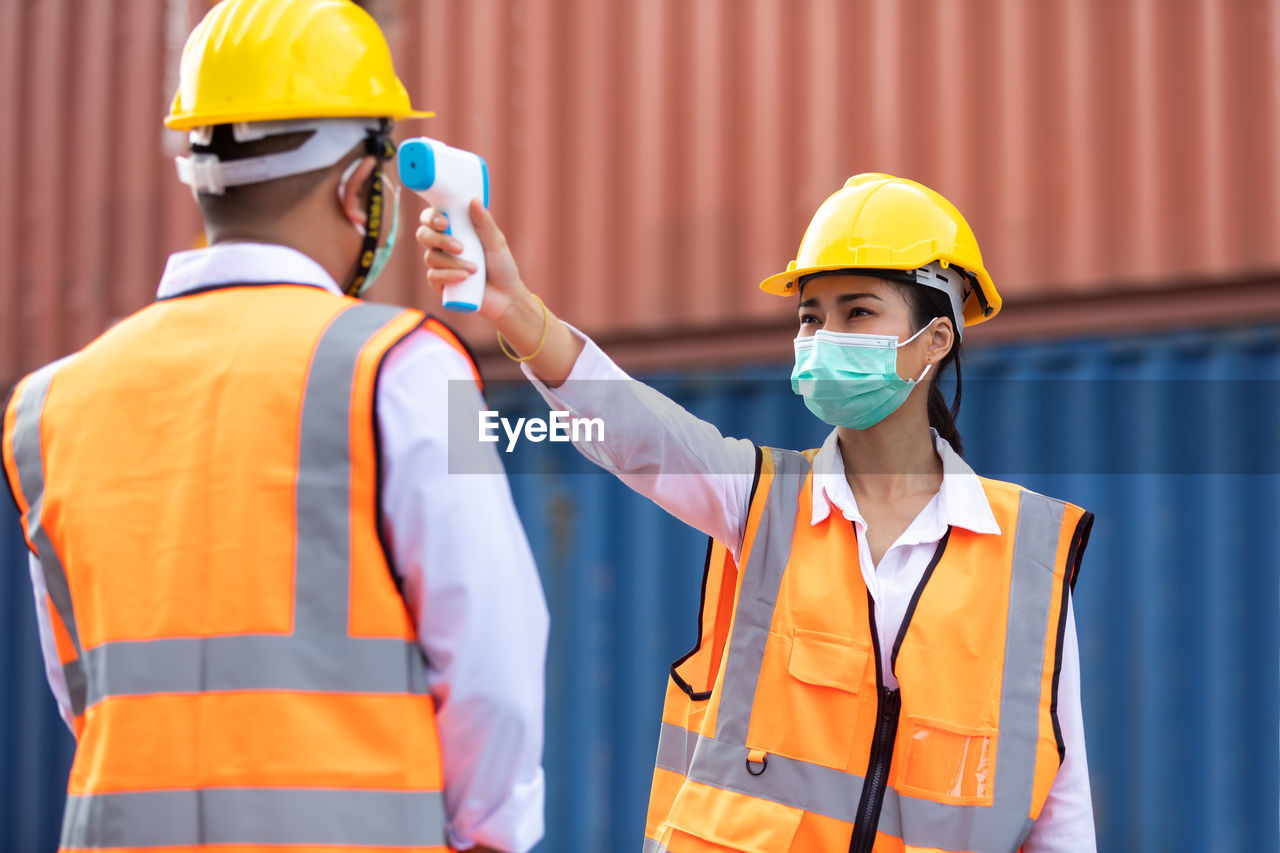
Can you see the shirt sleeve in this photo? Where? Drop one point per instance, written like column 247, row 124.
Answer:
column 48, row 645
column 470, row 581
column 1065, row 824
column 680, row 462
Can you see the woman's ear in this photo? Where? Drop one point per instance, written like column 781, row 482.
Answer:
column 938, row 340
column 353, row 195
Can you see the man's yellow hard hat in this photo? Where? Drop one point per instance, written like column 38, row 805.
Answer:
column 270, row 60
column 880, row 222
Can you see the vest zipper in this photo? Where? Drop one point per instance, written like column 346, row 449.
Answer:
column 888, row 708
column 864, row 831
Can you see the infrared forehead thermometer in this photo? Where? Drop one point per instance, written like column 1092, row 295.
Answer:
column 448, row 178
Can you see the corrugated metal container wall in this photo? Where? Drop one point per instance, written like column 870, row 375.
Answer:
column 1172, row 442
column 89, row 205
column 653, row 159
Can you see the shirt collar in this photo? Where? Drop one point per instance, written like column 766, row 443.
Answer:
column 960, row 502
column 241, row 263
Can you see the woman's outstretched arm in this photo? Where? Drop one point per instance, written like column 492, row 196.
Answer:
column 682, row 463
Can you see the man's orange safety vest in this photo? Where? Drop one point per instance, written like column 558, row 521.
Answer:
column 200, row 485
column 778, row 733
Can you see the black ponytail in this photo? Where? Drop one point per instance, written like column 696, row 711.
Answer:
column 928, row 303
column 941, row 416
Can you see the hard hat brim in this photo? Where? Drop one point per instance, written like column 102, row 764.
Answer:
column 188, row 121
column 784, row 284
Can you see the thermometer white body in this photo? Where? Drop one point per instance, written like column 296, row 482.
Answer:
column 448, row 178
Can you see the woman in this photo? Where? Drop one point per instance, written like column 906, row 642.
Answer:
column 887, row 656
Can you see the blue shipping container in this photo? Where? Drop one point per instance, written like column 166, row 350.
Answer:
column 1172, row 440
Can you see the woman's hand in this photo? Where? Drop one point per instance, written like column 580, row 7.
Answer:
column 444, row 267
column 521, row 318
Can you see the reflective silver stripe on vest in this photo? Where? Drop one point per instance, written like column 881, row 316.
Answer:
column 28, row 456
column 323, row 496
column 835, row 794
column 761, row 581
column 721, row 761
column 254, row 662
column 801, row 784
column 675, row 748
column 254, row 816
column 1035, row 551
column 651, row 846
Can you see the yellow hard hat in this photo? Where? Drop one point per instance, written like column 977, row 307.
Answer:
column 270, row 60
column 879, row 222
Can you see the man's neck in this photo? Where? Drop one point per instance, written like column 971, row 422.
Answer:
column 335, row 258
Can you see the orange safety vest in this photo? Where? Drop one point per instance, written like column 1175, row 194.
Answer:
column 778, row 733
column 200, row 485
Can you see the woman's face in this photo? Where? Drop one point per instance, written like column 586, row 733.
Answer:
column 854, row 303
column 871, row 306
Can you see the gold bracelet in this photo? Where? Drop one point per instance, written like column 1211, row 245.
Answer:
column 509, row 354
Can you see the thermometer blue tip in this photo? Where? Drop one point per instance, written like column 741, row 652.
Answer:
column 417, row 165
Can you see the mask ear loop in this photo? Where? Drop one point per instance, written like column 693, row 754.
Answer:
column 379, row 145
column 920, row 332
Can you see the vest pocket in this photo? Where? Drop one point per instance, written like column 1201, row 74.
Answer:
column 828, row 660
column 947, row 763
column 809, row 697
column 709, row 819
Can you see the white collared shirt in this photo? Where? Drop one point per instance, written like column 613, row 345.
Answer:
column 468, row 574
column 959, row 502
column 690, row 469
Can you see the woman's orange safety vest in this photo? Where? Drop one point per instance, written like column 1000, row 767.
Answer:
column 200, row 485
column 778, row 733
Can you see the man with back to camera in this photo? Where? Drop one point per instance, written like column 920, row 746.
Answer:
column 270, row 616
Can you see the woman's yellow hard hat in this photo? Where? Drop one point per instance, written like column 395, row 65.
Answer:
column 269, row 60
column 880, row 222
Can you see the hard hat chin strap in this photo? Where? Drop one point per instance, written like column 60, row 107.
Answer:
column 951, row 281
column 330, row 139
column 378, row 144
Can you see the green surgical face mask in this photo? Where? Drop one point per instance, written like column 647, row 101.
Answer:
column 383, row 253
column 851, row 380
